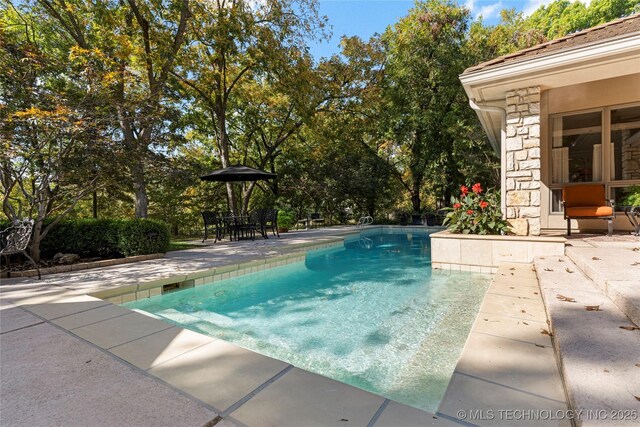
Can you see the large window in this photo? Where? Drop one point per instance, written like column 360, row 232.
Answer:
column 582, row 151
column 625, row 139
column 577, row 148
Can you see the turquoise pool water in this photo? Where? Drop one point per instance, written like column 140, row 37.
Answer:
column 371, row 314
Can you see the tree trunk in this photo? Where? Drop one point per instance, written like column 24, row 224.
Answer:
column 34, row 246
column 136, row 147
column 371, row 208
column 246, row 197
column 140, row 189
column 447, row 196
column 223, row 147
column 94, row 201
column 415, row 195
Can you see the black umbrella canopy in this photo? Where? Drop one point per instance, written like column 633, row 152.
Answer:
column 237, row 173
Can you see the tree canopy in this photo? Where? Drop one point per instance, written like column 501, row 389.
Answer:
column 115, row 108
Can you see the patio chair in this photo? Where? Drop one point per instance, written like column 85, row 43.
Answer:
column 313, row 219
column 212, row 220
column 247, row 225
column 316, row 219
column 270, row 222
column 15, row 239
column 587, row 201
column 257, row 218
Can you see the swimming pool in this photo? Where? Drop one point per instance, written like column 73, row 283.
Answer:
column 370, row 313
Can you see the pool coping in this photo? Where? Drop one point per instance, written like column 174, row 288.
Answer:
column 232, row 270
column 145, row 289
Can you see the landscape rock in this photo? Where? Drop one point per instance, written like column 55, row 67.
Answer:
column 61, row 258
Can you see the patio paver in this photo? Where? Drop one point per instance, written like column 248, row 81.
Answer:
column 13, row 318
column 88, row 317
column 598, row 357
column 52, row 378
column 119, row 330
column 616, row 271
column 513, row 306
column 396, row 414
column 160, row 347
column 508, row 363
column 303, row 398
column 218, row 373
column 60, row 305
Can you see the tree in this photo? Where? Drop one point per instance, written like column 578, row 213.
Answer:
column 131, row 48
column 52, row 130
column 240, row 43
column 425, row 105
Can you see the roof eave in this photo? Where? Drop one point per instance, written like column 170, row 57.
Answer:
column 608, row 59
column 555, row 61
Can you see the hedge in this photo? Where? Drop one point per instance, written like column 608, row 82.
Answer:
column 105, row 238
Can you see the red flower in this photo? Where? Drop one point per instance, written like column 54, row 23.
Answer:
column 457, row 206
column 477, row 188
column 469, row 212
column 464, row 189
column 483, row 204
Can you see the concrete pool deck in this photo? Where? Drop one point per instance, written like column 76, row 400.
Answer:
column 202, row 380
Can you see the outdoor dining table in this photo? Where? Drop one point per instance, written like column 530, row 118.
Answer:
column 236, row 225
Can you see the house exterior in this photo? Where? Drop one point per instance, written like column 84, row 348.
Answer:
column 563, row 112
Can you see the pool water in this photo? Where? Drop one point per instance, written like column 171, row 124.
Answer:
column 371, row 314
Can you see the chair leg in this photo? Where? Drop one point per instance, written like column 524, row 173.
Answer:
column 609, row 227
column 568, row 227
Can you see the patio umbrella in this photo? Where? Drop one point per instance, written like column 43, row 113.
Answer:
column 237, row 173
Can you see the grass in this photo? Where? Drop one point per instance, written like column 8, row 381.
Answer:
column 177, row 245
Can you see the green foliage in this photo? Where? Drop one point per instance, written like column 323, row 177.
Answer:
column 476, row 213
column 632, row 196
column 85, row 237
column 142, row 236
column 286, row 218
column 563, row 17
column 93, row 102
column 106, row 238
column 436, row 137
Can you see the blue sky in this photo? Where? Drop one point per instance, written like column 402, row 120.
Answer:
column 366, row 17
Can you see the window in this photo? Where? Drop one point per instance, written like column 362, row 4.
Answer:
column 582, row 152
column 577, row 148
column 625, row 140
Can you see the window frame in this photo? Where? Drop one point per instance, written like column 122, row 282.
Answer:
column 607, row 152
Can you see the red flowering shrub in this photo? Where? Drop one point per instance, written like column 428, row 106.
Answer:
column 476, row 213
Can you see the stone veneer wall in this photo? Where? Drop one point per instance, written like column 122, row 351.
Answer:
column 522, row 164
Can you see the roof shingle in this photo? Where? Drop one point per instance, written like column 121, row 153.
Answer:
column 597, row 34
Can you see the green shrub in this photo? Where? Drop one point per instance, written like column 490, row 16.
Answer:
column 85, row 237
column 285, row 218
column 143, row 236
column 632, row 196
column 104, row 238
